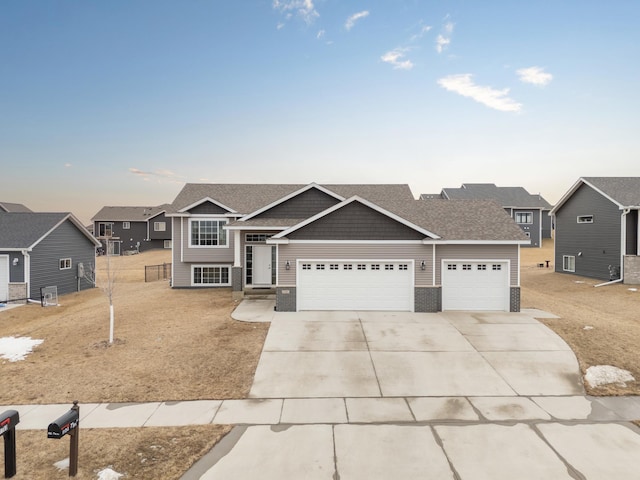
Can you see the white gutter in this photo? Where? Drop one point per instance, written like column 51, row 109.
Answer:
column 608, row 283
column 623, row 241
column 27, row 271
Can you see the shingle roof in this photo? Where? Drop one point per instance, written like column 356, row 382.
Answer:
column 128, row 214
column 624, row 190
column 13, row 207
column 505, row 196
column 479, row 220
column 22, row 230
column 247, row 198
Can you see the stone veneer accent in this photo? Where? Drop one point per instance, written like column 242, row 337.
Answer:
column 17, row 293
column 236, row 279
column 631, row 270
column 428, row 299
column 286, row 299
column 514, row 303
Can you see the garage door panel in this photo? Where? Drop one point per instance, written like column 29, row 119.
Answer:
column 476, row 285
column 370, row 287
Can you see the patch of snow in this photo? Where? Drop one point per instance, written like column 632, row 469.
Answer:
column 633, row 289
column 108, row 474
column 578, row 281
column 62, row 464
column 588, row 327
column 17, row 348
column 607, row 374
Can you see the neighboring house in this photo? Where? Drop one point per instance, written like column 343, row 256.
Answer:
column 13, row 207
column 132, row 228
column 597, row 229
column 41, row 250
column 346, row 247
column 530, row 212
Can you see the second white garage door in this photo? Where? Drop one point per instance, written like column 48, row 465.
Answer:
column 470, row 285
column 355, row 285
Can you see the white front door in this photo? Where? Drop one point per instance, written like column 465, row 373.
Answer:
column 262, row 265
column 4, row 278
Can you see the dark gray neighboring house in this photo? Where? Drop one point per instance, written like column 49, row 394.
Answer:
column 530, row 211
column 40, row 250
column 597, row 232
column 13, row 207
column 132, row 229
column 346, row 247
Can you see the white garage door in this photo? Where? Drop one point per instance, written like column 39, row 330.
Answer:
column 4, row 278
column 355, row 285
column 470, row 285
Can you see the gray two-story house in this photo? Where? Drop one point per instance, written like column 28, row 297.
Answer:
column 529, row 211
column 132, row 229
column 597, row 229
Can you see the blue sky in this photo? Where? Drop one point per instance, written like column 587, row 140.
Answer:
column 121, row 102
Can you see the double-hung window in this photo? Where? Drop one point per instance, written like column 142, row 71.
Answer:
column 208, row 233
column 524, row 217
column 569, row 263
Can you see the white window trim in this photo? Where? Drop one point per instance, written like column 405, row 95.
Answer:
column 210, row 265
column 66, row 261
column 157, row 224
column 167, row 244
column 584, row 219
column 224, row 221
column 105, row 224
column 515, row 216
column 126, row 225
column 564, row 259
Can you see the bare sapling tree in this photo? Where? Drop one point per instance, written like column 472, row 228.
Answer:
column 106, row 281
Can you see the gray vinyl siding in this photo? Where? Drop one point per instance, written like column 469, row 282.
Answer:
column 183, row 256
column 533, row 229
column 546, row 224
column 207, row 208
column 159, row 236
column 368, row 252
column 304, row 205
column 479, row 252
column 129, row 238
column 599, row 241
column 356, row 221
column 632, row 233
column 66, row 241
column 16, row 272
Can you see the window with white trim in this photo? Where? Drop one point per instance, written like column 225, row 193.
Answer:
column 466, row 266
column 320, row 266
column 585, row 219
column 126, row 225
column 403, row 266
column 257, row 237
column 347, row 266
column 159, row 226
column 105, row 229
column 524, row 217
column 452, row 266
column 306, row 266
column 375, row 267
column 482, row 266
column 208, row 233
column 496, row 267
column 65, row 263
column 569, row 263
column 167, row 244
column 210, row 275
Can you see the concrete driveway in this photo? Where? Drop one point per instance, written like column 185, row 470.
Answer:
column 379, row 354
column 461, row 396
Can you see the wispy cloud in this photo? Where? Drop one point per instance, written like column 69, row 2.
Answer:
column 535, row 76
column 462, row 84
column 395, row 58
column 320, row 34
column 302, row 8
column 351, row 21
column 423, row 29
column 158, row 174
column 67, row 165
column 444, row 39
column 280, row 26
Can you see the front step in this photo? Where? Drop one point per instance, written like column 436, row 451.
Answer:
column 260, row 293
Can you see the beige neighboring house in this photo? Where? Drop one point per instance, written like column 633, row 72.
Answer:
column 346, row 247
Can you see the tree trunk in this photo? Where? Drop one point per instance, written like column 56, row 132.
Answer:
column 111, row 321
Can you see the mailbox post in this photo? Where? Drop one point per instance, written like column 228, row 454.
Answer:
column 69, row 423
column 8, row 422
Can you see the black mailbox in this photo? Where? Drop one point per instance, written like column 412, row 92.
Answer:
column 63, row 425
column 8, row 422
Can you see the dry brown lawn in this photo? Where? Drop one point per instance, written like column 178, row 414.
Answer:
column 613, row 311
column 171, row 344
column 140, row 453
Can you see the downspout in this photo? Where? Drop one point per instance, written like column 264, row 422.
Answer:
column 27, row 271
column 623, row 241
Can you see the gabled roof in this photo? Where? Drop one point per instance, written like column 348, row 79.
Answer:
column 24, row 230
column 516, row 197
column 623, row 191
column 371, row 205
column 128, row 214
column 248, row 198
column 13, row 207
